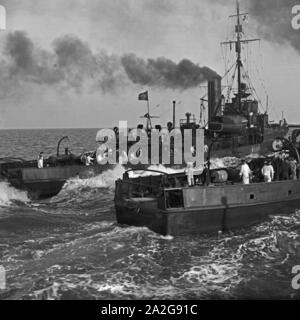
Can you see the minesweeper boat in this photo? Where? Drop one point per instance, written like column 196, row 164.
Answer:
column 218, row 202
column 234, row 112
column 47, row 181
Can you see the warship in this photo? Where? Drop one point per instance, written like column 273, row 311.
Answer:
column 235, row 127
column 218, row 202
column 47, row 181
column 237, row 122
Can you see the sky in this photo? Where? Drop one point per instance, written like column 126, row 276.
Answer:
column 78, row 63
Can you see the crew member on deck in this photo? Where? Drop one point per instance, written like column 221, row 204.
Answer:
column 245, row 172
column 205, row 174
column 268, row 171
column 40, row 162
column 88, row 160
column 293, row 168
column 189, row 171
column 278, row 166
column 285, row 168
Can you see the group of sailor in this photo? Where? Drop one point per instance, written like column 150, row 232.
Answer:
column 87, row 159
column 286, row 168
column 267, row 171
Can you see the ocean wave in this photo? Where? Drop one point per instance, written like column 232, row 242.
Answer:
column 104, row 180
column 87, row 191
column 9, row 194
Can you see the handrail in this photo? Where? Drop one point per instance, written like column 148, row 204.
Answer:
column 150, row 170
column 59, row 142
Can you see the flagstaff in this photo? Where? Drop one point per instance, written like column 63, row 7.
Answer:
column 144, row 96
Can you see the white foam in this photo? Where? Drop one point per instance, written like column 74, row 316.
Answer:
column 160, row 167
column 48, row 293
column 104, row 180
column 9, row 194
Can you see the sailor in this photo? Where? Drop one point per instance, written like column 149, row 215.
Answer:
column 278, row 166
column 189, row 171
column 293, row 168
column 268, row 171
column 88, row 160
column 206, row 148
column 40, row 162
column 205, row 173
column 285, row 168
column 245, row 172
column 193, row 151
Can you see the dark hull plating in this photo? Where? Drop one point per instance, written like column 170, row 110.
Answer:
column 47, row 182
column 219, row 211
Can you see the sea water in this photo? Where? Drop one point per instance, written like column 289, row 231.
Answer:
column 70, row 246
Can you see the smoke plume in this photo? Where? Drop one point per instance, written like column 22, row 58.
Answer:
column 72, row 64
column 163, row 72
column 274, row 20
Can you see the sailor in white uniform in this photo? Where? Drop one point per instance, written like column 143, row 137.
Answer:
column 245, row 172
column 88, row 160
column 268, row 172
column 189, row 171
column 40, row 161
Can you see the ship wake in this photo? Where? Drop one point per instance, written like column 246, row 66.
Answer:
column 9, row 195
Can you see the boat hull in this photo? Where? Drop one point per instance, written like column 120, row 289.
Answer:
column 220, row 150
column 223, row 209
column 48, row 181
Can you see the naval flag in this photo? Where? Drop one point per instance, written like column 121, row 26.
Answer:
column 143, row 96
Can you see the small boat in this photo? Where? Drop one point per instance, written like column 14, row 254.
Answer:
column 171, row 210
column 218, row 202
column 47, row 181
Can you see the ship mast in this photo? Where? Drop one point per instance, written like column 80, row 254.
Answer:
column 238, row 30
column 238, row 48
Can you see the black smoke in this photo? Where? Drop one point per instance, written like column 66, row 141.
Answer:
column 27, row 62
column 163, row 72
column 72, row 64
column 274, row 20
